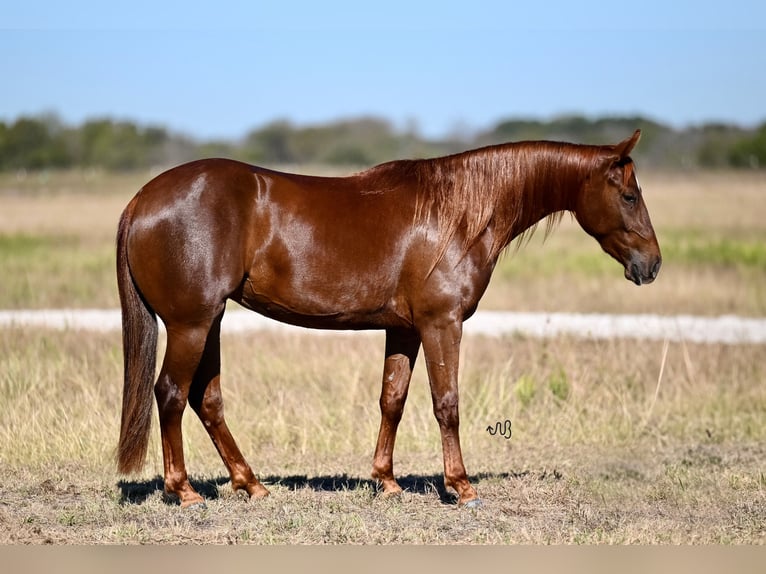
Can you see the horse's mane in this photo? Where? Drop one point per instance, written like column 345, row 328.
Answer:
column 510, row 186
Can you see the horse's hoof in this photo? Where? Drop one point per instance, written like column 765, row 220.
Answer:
column 474, row 503
column 391, row 495
column 257, row 491
column 195, row 506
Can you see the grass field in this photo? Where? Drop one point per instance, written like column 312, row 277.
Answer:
column 613, row 441
column 602, row 450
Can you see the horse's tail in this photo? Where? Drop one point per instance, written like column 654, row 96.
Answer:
column 139, row 346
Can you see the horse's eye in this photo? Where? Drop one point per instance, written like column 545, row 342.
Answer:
column 630, row 198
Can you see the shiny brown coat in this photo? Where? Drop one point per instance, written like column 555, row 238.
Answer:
column 408, row 247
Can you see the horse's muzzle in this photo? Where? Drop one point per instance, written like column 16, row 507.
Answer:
column 643, row 274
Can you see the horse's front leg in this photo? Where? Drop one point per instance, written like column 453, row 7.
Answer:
column 441, row 346
column 401, row 351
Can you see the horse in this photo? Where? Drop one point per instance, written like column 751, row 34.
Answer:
column 407, row 247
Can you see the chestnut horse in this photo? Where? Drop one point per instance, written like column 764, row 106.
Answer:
column 407, row 246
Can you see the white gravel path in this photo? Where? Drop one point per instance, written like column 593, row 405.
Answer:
column 724, row 329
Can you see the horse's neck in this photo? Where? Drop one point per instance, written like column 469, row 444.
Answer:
column 544, row 181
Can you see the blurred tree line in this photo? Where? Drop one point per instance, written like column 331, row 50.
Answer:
column 45, row 142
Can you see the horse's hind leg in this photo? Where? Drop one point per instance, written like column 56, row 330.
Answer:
column 206, row 400
column 401, row 352
column 184, row 349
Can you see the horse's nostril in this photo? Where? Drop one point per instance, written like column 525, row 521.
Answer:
column 635, row 274
column 656, row 268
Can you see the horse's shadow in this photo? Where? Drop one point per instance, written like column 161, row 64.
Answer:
column 137, row 492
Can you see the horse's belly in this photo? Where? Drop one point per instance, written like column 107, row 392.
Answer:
column 329, row 305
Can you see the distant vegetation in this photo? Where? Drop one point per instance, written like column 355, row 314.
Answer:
column 45, row 142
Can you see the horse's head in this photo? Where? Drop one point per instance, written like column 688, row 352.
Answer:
column 611, row 208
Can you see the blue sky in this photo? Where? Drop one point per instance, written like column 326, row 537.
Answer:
column 218, row 69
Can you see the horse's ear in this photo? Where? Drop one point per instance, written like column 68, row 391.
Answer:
column 624, row 148
column 612, row 162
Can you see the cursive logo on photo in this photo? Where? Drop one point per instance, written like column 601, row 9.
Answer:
column 501, row 428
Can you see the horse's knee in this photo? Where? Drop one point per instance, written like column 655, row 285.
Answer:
column 392, row 404
column 446, row 410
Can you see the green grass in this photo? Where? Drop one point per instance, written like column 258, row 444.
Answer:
column 55, row 271
column 694, row 248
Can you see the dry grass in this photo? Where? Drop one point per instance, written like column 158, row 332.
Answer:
column 600, row 452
